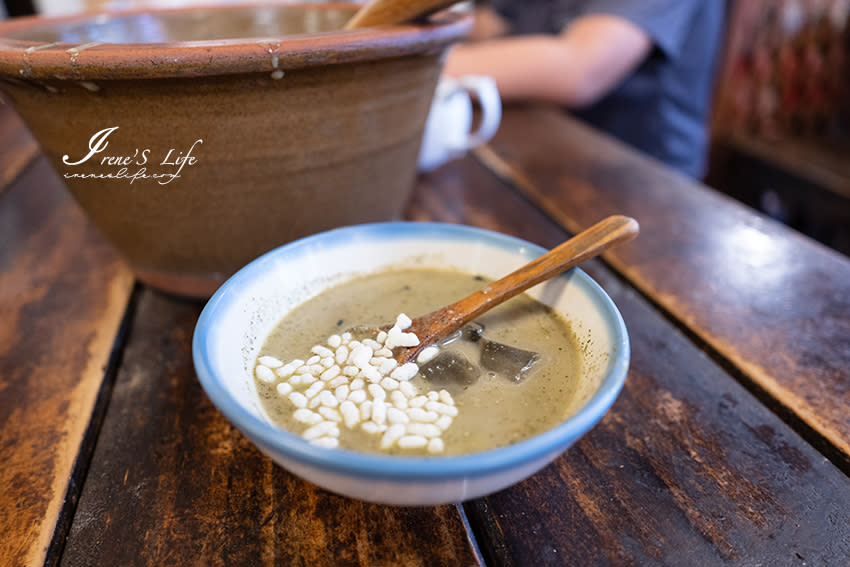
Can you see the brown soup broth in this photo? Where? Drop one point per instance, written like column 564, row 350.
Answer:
column 494, row 410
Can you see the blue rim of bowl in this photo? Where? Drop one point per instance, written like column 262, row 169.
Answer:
column 394, row 467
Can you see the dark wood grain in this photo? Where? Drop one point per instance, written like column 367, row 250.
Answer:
column 464, row 192
column 17, row 147
column 772, row 302
column 172, row 482
column 688, row 468
column 63, row 293
column 803, row 203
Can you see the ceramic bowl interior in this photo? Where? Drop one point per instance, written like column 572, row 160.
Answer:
column 163, row 26
column 241, row 314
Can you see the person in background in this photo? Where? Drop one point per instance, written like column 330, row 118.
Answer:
column 641, row 70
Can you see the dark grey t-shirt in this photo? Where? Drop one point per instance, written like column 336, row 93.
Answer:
column 663, row 107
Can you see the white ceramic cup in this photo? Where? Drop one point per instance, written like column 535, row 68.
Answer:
column 448, row 132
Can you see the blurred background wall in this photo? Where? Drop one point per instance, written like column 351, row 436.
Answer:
column 781, row 128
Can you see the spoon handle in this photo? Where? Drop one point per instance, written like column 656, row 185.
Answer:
column 390, row 12
column 612, row 230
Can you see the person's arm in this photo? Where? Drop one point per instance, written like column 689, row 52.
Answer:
column 576, row 68
column 488, row 25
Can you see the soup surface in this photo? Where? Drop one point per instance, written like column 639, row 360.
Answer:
column 495, row 408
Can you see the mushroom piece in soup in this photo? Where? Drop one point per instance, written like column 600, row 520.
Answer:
column 508, row 376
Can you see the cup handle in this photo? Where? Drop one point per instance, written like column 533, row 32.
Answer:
column 487, row 93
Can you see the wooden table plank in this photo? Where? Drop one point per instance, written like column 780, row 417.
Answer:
column 172, row 482
column 17, row 147
column 772, row 302
column 825, row 165
column 63, row 293
column 687, row 468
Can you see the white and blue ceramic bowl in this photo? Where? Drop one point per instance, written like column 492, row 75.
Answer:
column 235, row 322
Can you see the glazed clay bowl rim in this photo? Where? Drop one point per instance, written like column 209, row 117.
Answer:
column 27, row 59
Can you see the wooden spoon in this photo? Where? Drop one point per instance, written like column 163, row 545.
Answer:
column 437, row 325
column 391, row 12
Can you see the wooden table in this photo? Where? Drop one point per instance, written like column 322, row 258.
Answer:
column 730, row 444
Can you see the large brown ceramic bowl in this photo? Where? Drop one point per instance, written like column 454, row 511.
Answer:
column 198, row 139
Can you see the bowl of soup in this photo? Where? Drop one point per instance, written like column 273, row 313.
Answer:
column 294, row 350
column 199, row 138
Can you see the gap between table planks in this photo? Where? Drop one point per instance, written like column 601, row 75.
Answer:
column 63, row 293
column 771, row 302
